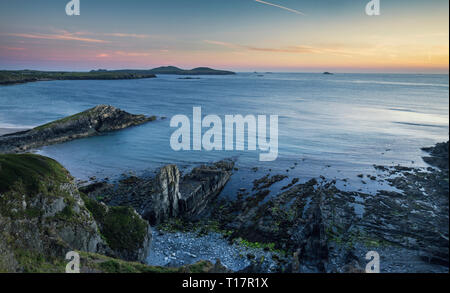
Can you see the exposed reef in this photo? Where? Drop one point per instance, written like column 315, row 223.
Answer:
column 92, row 122
column 326, row 229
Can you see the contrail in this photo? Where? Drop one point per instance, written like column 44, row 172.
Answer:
column 279, row 6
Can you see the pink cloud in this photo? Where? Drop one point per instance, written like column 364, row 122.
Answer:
column 132, row 54
column 64, row 36
column 12, row 48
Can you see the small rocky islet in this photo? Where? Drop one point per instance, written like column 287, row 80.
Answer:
column 308, row 227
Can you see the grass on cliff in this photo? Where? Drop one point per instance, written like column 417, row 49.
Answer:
column 100, row 263
column 121, row 227
column 65, row 119
column 32, row 262
column 29, row 171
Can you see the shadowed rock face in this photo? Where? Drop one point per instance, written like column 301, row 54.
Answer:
column 43, row 216
column 92, row 122
column 168, row 195
column 41, row 213
column 164, row 202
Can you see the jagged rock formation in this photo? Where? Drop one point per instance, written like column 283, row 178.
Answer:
column 168, row 195
column 330, row 230
column 92, row 122
column 164, row 203
column 43, row 216
column 202, row 185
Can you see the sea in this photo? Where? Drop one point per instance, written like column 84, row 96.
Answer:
column 329, row 126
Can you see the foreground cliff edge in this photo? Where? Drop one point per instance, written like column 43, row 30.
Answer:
column 95, row 121
column 43, row 216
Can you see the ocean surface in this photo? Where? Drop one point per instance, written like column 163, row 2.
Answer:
column 337, row 126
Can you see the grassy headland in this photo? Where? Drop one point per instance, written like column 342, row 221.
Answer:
column 23, row 76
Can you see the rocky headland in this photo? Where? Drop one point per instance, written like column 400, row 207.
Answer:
column 95, row 121
column 25, row 76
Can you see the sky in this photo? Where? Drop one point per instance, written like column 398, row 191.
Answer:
column 409, row 36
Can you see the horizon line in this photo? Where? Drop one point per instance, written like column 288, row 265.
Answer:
column 235, row 71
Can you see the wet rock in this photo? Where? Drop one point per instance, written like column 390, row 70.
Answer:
column 438, row 156
column 267, row 181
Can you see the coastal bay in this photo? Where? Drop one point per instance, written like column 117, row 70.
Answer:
column 261, row 215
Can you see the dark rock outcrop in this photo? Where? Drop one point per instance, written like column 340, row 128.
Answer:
column 168, row 195
column 92, row 122
column 201, row 186
column 438, row 156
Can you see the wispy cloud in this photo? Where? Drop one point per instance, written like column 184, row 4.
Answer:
column 224, row 44
column 132, row 54
column 113, row 34
column 12, row 48
column 63, row 36
column 300, row 49
column 124, row 35
column 281, row 7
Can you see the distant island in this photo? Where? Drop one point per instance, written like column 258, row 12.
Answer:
column 10, row 77
column 327, row 73
column 178, row 71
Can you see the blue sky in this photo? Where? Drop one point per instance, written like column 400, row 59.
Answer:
column 243, row 35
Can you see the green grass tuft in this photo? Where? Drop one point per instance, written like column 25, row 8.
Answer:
column 30, row 171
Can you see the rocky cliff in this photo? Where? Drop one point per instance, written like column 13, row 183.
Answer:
column 92, row 122
column 43, row 216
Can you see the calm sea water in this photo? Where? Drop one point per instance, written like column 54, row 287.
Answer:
column 337, row 126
